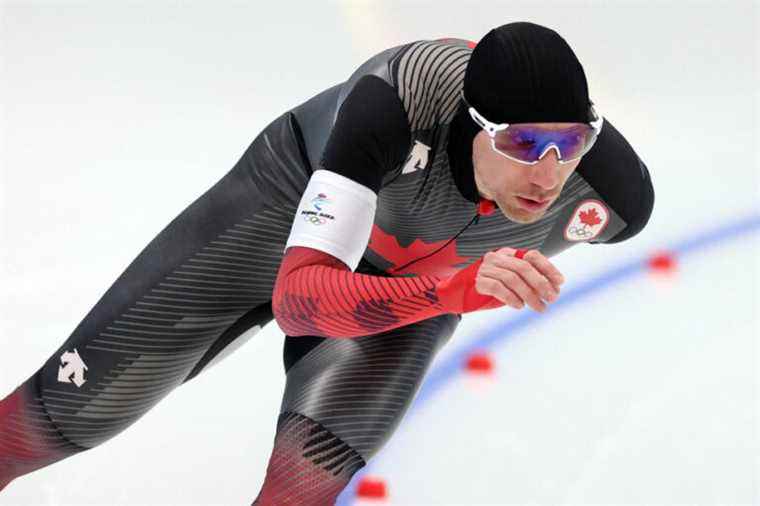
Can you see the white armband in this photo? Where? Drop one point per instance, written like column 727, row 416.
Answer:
column 335, row 215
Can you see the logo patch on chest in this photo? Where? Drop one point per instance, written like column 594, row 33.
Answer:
column 417, row 159
column 588, row 221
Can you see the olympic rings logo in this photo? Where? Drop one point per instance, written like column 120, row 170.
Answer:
column 583, row 231
column 314, row 220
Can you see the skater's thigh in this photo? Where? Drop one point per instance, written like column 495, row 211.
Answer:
column 359, row 389
column 198, row 285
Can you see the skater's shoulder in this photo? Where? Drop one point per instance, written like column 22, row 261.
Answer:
column 426, row 75
column 620, row 177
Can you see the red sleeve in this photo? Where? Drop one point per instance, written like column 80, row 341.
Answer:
column 316, row 294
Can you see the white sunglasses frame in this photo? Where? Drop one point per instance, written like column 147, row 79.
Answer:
column 491, row 128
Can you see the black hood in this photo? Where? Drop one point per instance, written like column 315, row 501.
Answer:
column 462, row 131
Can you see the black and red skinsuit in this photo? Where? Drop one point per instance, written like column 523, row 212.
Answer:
column 362, row 327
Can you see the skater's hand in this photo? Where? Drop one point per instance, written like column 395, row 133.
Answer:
column 498, row 278
column 516, row 282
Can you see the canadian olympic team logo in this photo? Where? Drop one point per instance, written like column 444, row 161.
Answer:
column 589, row 220
column 318, row 216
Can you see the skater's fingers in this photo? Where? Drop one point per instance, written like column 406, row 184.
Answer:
column 515, row 282
column 538, row 285
column 497, row 289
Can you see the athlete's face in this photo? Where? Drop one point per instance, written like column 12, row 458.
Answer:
column 505, row 181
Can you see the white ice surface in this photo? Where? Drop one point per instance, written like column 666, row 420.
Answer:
column 116, row 116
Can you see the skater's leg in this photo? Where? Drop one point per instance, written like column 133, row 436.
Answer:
column 28, row 441
column 343, row 400
column 164, row 319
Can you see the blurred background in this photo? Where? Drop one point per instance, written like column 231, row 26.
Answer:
column 639, row 387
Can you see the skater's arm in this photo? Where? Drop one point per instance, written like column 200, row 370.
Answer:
column 317, row 294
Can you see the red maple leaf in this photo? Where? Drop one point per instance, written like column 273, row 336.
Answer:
column 590, row 217
column 439, row 264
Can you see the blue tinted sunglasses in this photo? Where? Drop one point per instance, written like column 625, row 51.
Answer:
column 527, row 143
